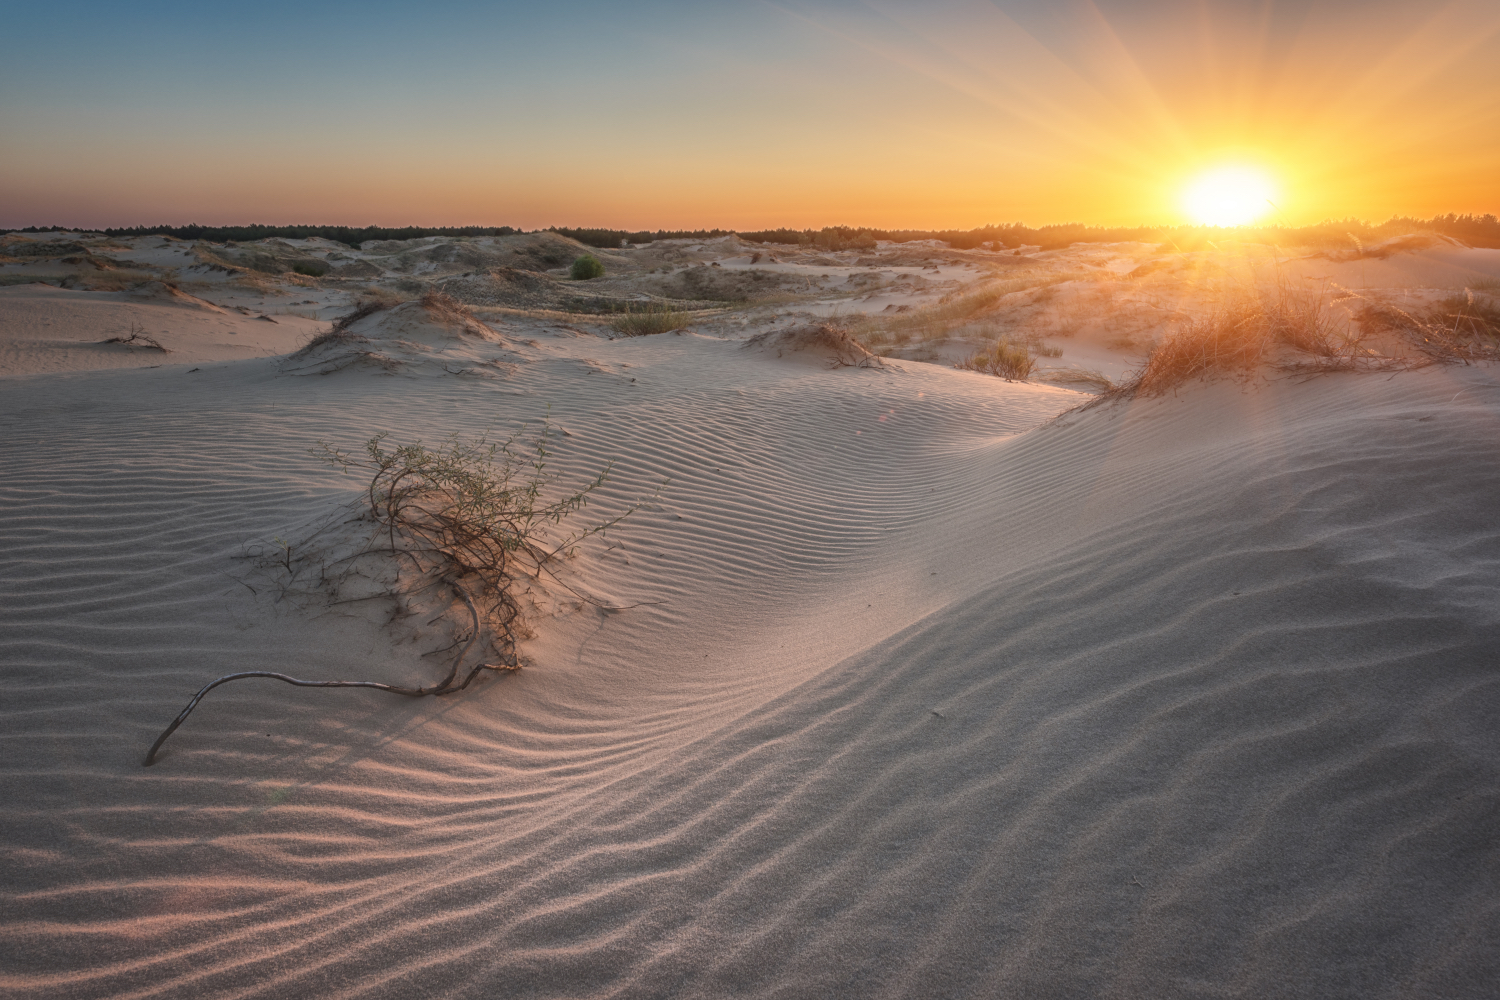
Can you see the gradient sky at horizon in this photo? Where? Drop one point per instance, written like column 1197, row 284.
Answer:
column 743, row 115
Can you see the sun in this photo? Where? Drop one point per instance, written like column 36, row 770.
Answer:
column 1229, row 196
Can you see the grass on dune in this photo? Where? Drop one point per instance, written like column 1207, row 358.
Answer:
column 1306, row 336
column 1012, row 362
column 652, row 319
column 452, row 532
column 939, row 319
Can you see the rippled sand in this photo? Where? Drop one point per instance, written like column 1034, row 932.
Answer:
column 1186, row 697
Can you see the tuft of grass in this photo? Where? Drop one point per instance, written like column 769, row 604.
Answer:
column 1460, row 328
column 1011, row 362
column 586, row 267
column 449, row 311
column 937, row 320
column 1083, row 377
column 1229, row 341
column 652, row 319
column 339, row 333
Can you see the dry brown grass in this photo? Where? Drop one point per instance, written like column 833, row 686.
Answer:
column 1238, row 337
column 836, row 342
column 1012, row 362
column 650, row 320
column 1085, row 378
column 942, row 318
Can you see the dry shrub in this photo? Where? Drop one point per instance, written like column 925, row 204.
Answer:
column 1011, row 362
column 138, row 338
column 1237, row 338
column 452, row 529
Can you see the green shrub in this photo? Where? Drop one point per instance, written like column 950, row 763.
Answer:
column 586, row 267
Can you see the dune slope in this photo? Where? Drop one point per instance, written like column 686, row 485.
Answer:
column 940, row 696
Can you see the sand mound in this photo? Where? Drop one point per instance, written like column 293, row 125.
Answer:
column 161, row 293
column 829, row 342
column 432, row 334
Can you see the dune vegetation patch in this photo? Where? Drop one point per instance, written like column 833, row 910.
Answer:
column 137, row 338
column 446, row 536
column 586, row 267
column 651, row 319
column 1012, row 362
column 837, row 344
column 1313, row 334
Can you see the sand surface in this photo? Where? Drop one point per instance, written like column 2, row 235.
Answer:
column 936, row 689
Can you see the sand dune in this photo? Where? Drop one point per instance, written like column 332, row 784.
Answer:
column 941, row 690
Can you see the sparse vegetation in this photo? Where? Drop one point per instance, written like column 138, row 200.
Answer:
column 450, row 532
column 1011, row 362
column 1083, row 377
column 1240, row 337
column 655, row 318
column 339, row 333
column 945, row 317
column 838, row 344
column 1459, row 328
column 138, row 338
column 586, row 267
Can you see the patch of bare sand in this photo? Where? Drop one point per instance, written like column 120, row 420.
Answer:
column 44, row 328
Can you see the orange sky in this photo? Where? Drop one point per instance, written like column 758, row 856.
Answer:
column 744, row 115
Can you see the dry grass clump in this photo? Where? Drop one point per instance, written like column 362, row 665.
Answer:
column 1460, row 328
column 1238, row 338
column 339, row 333
column 1085, row 378
column 938, row 320
column 452, row 529
column 1012, row 362
column 655, row 318
column 1231, row 341
column 450, row 312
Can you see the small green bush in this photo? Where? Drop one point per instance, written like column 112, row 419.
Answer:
column 587, row 267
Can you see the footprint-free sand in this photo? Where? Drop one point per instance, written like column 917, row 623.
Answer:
column 936, row 687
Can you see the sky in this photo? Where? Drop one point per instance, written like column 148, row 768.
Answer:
column 742, row 114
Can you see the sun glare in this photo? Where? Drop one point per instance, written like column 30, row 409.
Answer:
column 1229, row 196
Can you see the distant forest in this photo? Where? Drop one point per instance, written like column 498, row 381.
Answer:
column 1475, row 230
